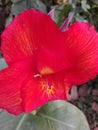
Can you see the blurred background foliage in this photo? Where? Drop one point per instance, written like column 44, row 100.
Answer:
column 84, row 10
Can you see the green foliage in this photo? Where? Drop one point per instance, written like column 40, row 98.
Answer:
column 84, row 10
column 56, row 115
column 84, row 5
column 19, row 6
column 61, row 13
column 2, row 63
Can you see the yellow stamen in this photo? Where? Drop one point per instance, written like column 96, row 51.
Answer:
column 46, row 70
column 48, row 89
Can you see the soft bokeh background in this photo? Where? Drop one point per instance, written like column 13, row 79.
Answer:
column 86, row 96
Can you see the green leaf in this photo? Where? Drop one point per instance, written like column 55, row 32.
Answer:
column 21, row 5
column 61, row 115
column 9, row 122
column 8, row 20
column 80, row 18
column 61, row 13
column 18, row 7
column 85, row 6
column 37, row 4
column 56, row 115
column 2, row 63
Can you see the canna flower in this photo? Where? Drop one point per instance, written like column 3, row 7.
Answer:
column 44, row 61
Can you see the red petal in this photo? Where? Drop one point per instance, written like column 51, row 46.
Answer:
column 11, row 80
column 51, row 61
column 28, row 32
column 81, row 41
column 38, row 91
column 31, row 33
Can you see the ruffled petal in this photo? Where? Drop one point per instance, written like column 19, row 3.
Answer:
column 27, row 33
column 81, row 41
column 37, row 91
column 11, row 80
column 35, row 33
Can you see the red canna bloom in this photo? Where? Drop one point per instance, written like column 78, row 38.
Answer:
column 44, row 62
column 30, row 38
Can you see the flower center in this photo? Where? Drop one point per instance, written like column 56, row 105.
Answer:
column 47, row 88
column 46, row 70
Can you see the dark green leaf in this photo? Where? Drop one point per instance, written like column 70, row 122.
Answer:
column 8, row 20
column 37, row 4
column 19, row 6
column 61, row 13
column 80, row 18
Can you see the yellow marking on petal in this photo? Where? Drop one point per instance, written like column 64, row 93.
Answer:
column 48, row 89
column 46, row 70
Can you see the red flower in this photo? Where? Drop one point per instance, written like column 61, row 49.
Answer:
column 43, row 62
